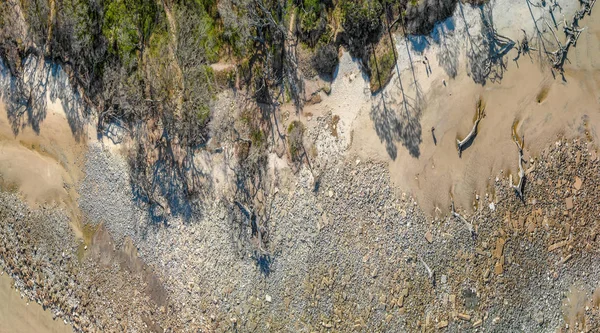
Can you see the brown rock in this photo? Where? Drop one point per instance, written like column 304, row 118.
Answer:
column 442, row 324
column 497, row 253
column 569, row 202
column 452, row 300
column 531, row 227
column 499, row 267
column 428, row 236
column 556, row 245
column 464, row 316
column 400, row 301
column 578, row 183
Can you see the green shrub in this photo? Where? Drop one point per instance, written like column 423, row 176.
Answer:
column 295, row 140
column 362, row 24
column 325, row 59
column 127, row 26
column 313, row 25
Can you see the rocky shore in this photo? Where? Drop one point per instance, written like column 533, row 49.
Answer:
column 354, row 255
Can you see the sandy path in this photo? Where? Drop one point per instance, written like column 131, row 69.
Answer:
column 17, row 316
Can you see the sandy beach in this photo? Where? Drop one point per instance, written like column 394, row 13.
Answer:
column 19, row 316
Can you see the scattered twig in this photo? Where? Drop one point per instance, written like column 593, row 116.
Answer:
column 459, row 217
column 430, row 272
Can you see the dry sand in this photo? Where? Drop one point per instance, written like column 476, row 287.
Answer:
column 45, row 167
column 18, row 316
column 384, row 129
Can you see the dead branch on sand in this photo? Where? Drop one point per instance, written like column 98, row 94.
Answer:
column 460, row 218
column 430, row 272
column 479, row 109
column 572, row 32
column 519, row 142
column 523, row 46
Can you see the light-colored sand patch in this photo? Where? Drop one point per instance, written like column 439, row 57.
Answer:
column 19, row 316
column 43, row 168
column 39, row 178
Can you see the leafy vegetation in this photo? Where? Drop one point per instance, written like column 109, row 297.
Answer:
column 325, row 59
column 295, row 134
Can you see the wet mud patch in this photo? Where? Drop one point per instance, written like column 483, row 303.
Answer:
column 104, row 250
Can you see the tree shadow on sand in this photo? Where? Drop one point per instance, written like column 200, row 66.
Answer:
column 26, row 96
column 397, row 122
column 448, row 55
column 486, row 49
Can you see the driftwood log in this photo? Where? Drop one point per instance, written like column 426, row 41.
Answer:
column 519, row 187
column 479, row 109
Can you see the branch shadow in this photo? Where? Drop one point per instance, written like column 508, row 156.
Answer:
column 487, row 49
column 165, row 180
column 26, row 96
column 447, row 57
column 397, row 122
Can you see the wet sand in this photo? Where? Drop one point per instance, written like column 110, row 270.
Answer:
column 17, row 316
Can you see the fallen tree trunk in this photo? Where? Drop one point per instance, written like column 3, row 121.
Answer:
column 519, row 187
column 461, row 144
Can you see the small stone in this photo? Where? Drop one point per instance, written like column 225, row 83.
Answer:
column 330, row 193
column 429, row 237
column 499, row 267
column 477, row 323
column 444, row 279
column 492, row 206
column 357, row 162
column 402, row 213
column 569, row 202
column 539, row 318
column 578, row 183
column 268, row 298
column 464, row 316
column 400, row 301
column 499, row 248
column 442, row 324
